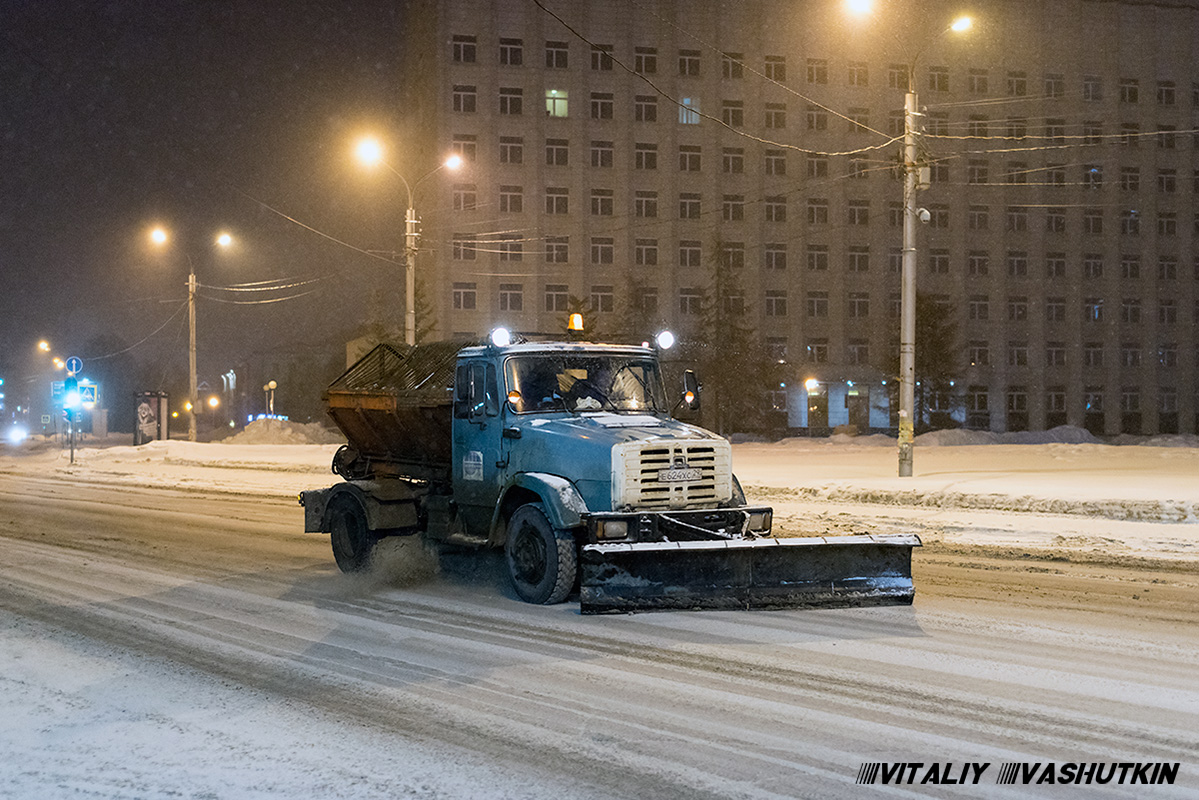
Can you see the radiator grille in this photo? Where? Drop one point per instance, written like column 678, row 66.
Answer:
column 642, row 469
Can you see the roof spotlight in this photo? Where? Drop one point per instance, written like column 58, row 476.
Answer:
column 501, row 337
column 665, row 340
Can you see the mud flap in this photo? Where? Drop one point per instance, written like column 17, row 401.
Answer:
column 748, row 573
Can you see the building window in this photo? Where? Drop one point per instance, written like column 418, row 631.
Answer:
column 978, row 218
column 1092, row 354
column 859, row 120
column 858, row 212
column 689, row 205
column 466, row 146
column 732, row 255
column 1055, row 354
column 645, row 60
column 859, row 73
column 512, row 150
column 603, row 299
column 817, row 166
column 689, row 111
column 1017, row 309
column 1165, row 137
column 1017, row 84
column 511, row 101
column 690, row 254
column 1055, row 219
column 602, row 249
column 512, row 297
column 1165, row 93
column 690, row 301
column 1092, row 220
column 776, row 302
column 463, row 247
column 1129, row 90
column 858, row 351
column 1130, row 179
column 1130, row 133
column 1167, row 355
column 977, row 263
column 731, row 67
column 601, row 57
column 1055, row 175
column 732, row 161
column 1167, row 223
column 689, row 158
column 938, row 79
column 601, row 105
column 1092, row 266
column 1054, row 84
column 512, row 52
column 1130, row 310
column 1092, row 176
column 978, row 307
column 465, row 296
column 732, row 207
column 1055, row 265
column 776, row 68
column 601, row 154
column 689, row 63
column 601, row 202
column 976, row 81
column 817, row 118
column 1167, row 268
column 775, row 257
column 1130, row 267
column 776, row 162
column 1092, row 88
column 466, row 197
column 776, row 209
column 647, row 300
column 557, row 250
column 817, row 257
column 1017, row 218
column 817, row 211
column 817, row 350
column 1167, row 181
column 1017, row 264
column 645, row 108
column 645, row 156
column 938, row 262
column 645, row 205
column 1092, row 309
column 510, row 248
column 732, row 113
column 465, row 50
column 556, row 103
column 1017, row 354
column 1130, row 222
column 734, row 304
column 817, row 304
column 557, row 55
column 511, row 199
column 858, row 306
column 557, row 297
column 558, row 152
column 1130, row 355
column 465, row 99
column 979, row 354
column 557, row 200
column 817, row 70
column 776, row 115
column 645, row 252
column 976, row 171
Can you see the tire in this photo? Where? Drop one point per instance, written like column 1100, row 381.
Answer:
column 353, row 542
column 542, row 561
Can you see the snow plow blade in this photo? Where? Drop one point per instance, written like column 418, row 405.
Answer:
column 748, row 573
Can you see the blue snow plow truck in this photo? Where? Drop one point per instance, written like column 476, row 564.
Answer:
column 566, row 456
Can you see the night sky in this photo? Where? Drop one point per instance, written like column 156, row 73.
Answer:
column 118, row 115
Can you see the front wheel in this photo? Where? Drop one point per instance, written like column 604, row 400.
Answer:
column 353, row 542
column 541, row 560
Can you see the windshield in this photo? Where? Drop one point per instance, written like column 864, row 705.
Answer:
column 584, row 382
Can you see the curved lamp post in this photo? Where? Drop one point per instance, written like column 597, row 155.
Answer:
column 370, row 152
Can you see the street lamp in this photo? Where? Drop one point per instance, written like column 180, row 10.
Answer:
column 911, row 184
column 160, row 237
column 370, row 152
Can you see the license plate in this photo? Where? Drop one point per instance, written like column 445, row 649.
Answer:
column 678, row 475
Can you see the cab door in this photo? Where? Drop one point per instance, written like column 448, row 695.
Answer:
column 479, row 468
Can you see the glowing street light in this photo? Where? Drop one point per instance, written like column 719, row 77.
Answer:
column 159, row 237
column 370, row 152
column 911, row 184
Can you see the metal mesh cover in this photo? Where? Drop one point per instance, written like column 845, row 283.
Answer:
column 421, row 375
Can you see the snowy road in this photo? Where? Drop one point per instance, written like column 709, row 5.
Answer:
column 200, row 646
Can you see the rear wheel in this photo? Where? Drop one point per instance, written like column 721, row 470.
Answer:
column 541, row 560
column 352, row 540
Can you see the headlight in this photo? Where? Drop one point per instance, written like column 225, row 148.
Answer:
column 759, row 521
column 612, row 529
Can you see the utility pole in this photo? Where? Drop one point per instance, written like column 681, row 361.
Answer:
column 410, row 247
column 907, row 299
column 192, row 392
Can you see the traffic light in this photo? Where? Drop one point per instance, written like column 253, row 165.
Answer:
column 70, row 392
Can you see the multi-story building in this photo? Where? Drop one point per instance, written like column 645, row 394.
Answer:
column 616, row 150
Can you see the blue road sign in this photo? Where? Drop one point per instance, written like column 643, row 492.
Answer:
column 74, row 364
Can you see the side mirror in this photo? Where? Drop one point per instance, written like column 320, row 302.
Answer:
column 690, row 396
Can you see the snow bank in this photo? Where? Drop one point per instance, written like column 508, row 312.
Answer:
column 281, row 431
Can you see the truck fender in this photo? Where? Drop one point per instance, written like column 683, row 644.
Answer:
column 386, row 507
column 564, row 506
